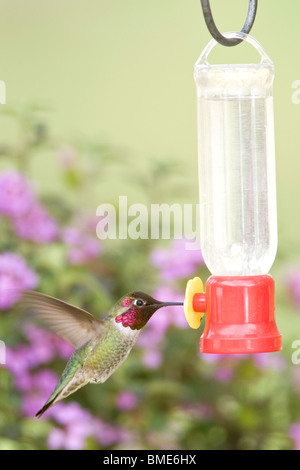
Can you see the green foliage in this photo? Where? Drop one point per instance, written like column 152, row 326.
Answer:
column 188, row 401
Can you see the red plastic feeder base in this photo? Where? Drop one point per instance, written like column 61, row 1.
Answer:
column 240, row 315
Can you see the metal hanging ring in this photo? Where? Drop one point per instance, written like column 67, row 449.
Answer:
column 216, row 33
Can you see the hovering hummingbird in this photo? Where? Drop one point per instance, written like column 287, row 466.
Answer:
column 100, row 345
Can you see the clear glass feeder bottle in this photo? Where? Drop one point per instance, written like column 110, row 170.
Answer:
column 238, row 216
column 237, row 181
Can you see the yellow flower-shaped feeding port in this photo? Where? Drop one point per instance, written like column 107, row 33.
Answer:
column 194, row 286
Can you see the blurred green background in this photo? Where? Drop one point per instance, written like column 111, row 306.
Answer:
column 121, row 73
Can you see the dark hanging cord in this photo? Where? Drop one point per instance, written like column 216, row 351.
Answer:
column 216, row 33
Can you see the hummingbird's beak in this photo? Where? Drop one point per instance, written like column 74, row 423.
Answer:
column 167, row 304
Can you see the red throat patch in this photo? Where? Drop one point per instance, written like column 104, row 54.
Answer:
column 128, row 318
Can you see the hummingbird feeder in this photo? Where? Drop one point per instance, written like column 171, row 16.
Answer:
column 238, row 217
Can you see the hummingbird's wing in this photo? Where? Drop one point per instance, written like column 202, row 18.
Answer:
column 75, row 325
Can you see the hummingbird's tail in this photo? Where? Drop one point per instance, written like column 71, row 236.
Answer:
column 58, row 394
column 63, row 389
column 73, row 378
column 45, row 407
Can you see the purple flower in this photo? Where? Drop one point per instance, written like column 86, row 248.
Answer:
column 45, row 345
column 107, row 434
column 126, row 400
column 35, row 385
column 36, row 225
column 21, row 362
column 43, row 383
column 269, row 361
column 215, row 358
column 293, row 285
column 176, row 262
column 67, row 414
column 68, row 438
column 30, row 220
column 78, row 424
column 23, row 381
column 224, row 374
column 15, row 275
column 294, row 433
column 17, row 360
column 56, row 439
column 83, row 246
column 16, row 196
column 152, row 358
column 31, row 402
column 223, row 366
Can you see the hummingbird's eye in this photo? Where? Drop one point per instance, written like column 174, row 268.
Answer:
column 139, row 303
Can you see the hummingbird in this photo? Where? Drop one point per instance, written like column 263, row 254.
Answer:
column 101, row 346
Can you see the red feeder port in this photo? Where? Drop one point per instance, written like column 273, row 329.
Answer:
column 240, row 315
